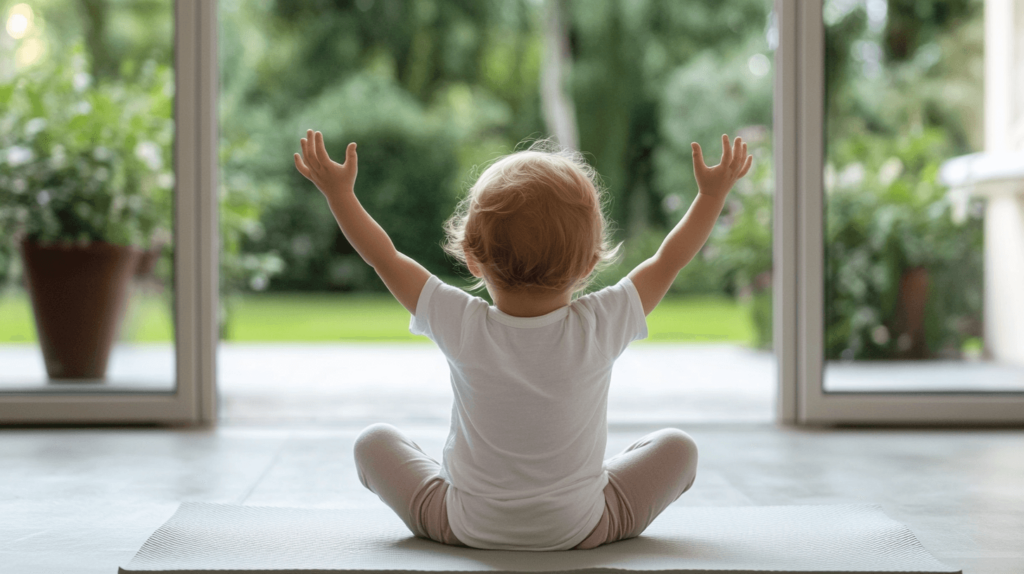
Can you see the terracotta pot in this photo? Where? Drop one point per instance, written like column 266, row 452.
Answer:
column 913, row 296
column 78, row 298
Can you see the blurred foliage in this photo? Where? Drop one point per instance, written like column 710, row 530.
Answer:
column 461, row 78
column 886, row 216
column 407, row 167
column 432, row 90
column 428, row 90
column 903, row 94
column 83, row 162
column 912, row 24
column 650, row 77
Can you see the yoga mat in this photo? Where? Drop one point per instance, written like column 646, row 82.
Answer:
column 204, row 537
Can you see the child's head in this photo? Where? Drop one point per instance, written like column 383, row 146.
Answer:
column 533, row 222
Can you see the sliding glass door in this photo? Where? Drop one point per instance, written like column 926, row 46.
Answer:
column 898, row 229
column 910, row 214
column 106, row 163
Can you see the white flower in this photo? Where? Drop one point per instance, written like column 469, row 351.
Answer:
column 889, row 171
column 672, row 202
column 258, row 283
column 101, row 174
column 101, row 153
column 83, row 108
column 759, row 65
column 43, row 197
column 18, row 155
column 852, row 175
column 880, row 335
column 34, row 126
column 81, row 81
column 165, row 180
column 149, row 153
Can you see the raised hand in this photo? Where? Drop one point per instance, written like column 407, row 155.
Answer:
column 718, row 180
column 330, row 177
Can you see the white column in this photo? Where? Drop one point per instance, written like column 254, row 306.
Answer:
column 1004, row 276
column 1004, row 211
column 999, row 80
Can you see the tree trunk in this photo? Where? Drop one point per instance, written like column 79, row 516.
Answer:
column 556, row 101
column 95, row 15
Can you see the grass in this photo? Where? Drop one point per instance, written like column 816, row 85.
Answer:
column 367, row 317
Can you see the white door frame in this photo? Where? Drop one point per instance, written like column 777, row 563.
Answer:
column 799, row 257
column 196, row 242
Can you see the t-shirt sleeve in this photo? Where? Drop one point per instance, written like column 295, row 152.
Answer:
column 617, row 316
column 440, row 313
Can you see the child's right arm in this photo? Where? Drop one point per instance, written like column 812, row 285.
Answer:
column 653, row 277
column 403, row 276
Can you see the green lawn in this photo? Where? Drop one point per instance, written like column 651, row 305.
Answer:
column 331, row 317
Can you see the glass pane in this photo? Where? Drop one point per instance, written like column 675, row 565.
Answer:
column 86, row 196
column 916, row 271
column 433, row 93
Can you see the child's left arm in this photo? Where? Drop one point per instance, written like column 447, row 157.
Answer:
column 403, row 276
column 653, row 277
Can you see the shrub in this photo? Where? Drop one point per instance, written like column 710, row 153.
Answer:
column 82, row 162
column 885, row 215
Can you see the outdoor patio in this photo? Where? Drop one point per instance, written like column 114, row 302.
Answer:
column 361, row 383
column 367, row 382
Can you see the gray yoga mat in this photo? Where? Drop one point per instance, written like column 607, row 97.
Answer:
column 204, row 537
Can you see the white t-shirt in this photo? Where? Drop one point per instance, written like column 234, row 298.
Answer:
column 529, row 421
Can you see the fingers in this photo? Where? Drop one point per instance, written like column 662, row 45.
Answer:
column 307, row 157
column 739, row 155
column 350, row 156
column 726, row 151
column 746, row 165
column 698, row 156
column 309, row 151
column 321, row 150
column 302, row 167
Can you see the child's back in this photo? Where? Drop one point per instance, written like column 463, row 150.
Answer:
column 528, row 435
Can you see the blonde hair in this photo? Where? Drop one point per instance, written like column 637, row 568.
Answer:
column 534, row 220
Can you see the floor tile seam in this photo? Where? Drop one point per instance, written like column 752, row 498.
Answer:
column 266, row 471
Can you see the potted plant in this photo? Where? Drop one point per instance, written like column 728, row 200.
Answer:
column 903, row 264
column 85, row 192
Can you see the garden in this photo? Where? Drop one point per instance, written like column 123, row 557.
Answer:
column 432, row 90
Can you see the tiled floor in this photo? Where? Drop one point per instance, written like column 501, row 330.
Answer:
column 84, row 501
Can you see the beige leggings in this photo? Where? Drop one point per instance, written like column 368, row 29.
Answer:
column 642, row 481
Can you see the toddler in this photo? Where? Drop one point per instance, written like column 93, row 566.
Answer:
column 523, row 467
